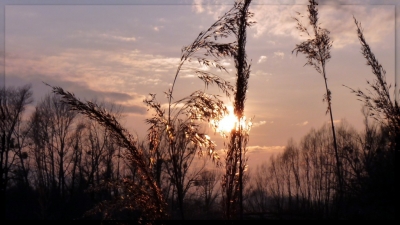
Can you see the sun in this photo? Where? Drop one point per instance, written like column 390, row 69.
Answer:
column 228, row 122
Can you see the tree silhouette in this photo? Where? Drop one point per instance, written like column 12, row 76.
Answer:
column 13, row 102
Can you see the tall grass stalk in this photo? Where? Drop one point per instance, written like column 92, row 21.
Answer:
column 381, row 107
column 148, row 197
column 208, row 51
column 317, row 51
column 235, row 157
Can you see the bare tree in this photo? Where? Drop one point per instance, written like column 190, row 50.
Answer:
column 257, row 201
column 13, row 102
column 179, row 169
column 52, row 147
column 205, row 186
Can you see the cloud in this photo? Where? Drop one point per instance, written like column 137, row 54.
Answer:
column 198, row 6
column 338, row 19
column 112, row 77
column 302, row 124
column 91, row 35
column 257, row 124
column 188, row 76
column 215, row 8
column 261, row 154
column 262, row 58
column 131, row 102
column 279, row 54
column 260, row 73
column 263, row 122
column 277, row 21
column 157, row 28
column 119, row 38
column 100, row 68
column 265, row 149
column 134, row 109
column 176, row 106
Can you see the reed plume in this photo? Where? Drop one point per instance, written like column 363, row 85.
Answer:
column 317, row 51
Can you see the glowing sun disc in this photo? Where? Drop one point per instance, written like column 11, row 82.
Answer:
column 227, row 123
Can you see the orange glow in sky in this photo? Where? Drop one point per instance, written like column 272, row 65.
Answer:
column 228, row 123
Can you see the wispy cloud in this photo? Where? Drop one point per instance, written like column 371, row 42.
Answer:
column 188, row 76
column 261, row 123
column 270, row 149
column 260, row 73
column 279, row 54
column 262, row 58
column 93, row 35
column 338, row 19
column 157, row 28
column 119, row 38
column 198, row 6
column 116, row 78
column 276, row 22
column 257, row 124
column 215, row 8
column 302, row 124
column 177, row 106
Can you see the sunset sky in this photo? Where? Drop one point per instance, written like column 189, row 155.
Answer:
column 120, row 51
